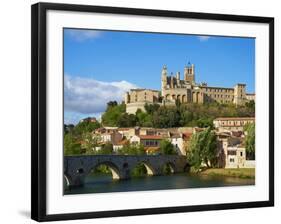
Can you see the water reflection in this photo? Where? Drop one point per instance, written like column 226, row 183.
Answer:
column 103, row 183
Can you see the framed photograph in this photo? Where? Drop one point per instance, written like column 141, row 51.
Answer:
column 140, row 111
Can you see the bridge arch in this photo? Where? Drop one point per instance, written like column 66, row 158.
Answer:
column 150, row 171
column 168, row 97
column 168, row 168
column 184, row 99
column 186, row 168
column 111, row 166
column 67, row 180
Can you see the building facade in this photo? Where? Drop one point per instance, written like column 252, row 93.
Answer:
column 185, row 90
column 137, row 98
column 232, row 123
column 233, row 154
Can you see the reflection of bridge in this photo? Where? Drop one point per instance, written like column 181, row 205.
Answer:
column 77, row 167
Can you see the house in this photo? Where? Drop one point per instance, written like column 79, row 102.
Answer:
column 232, row 123
column 233, row 154
column 119, row 145
column 128, row 132
column 147, row 140
column 186, row 136
column 150, row 142
column 89, row 119
column 178, row 142
column 111, row 136
column 154, row 131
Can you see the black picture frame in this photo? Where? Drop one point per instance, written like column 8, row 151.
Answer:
column 39, row 122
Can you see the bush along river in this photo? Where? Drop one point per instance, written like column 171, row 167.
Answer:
column 100, row 180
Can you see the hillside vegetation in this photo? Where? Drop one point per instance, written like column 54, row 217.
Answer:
column 200, row 115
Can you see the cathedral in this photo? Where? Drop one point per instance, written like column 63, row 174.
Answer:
column 185, row 90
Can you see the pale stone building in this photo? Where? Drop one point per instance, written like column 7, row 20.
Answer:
column 233, row 154
column 178, row 143
column 137, row 98
column 232, row 123
column 188, row 91
column 128, row 133
column 185, row 90
column 251, row 96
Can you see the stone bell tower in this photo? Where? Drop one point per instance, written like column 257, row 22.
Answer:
column 189, row 73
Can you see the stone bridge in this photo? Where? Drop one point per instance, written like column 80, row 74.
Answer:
column 77, row 167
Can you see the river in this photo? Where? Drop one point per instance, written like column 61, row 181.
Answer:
column 103, row 183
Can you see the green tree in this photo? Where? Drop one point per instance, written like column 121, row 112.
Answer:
column 126, row 120
column 151, row 108
column 204, row 122
column 202, row 149
column 68, row 128
column 112, row 104
column 139, row 171
column 186, row 117
column 166, row 117
column 132, row 149
column 167, row 148
column 71, row 145
column 250, row 104
column 113, row 113
column 85, row 126
column 90, row 142
column 143, row 119
column 107, row 149
column 250, row 140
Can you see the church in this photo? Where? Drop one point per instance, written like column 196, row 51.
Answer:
column 185, row 90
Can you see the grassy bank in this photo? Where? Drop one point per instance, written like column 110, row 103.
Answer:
column 246, row 173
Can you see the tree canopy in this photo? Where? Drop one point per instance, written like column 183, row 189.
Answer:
column 179, row 115
column 166, row 148
column 250, row 140
column 202, row 149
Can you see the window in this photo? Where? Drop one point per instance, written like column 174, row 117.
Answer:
column 241, row 153
column 231, row 160
column 231, row 152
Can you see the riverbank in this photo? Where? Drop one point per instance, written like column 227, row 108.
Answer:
column 245, row 173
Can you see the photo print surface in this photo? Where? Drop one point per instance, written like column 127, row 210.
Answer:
column 157, row 111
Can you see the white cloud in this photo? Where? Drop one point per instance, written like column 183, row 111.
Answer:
column 89, row 96
column 82, row 35
column 203, row 38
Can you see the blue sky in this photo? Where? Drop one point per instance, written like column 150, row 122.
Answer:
column 95, row 61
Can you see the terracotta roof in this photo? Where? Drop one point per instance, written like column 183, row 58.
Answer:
column 234, row 118
column 187, row 135
column 122, row 142
column 156, row 137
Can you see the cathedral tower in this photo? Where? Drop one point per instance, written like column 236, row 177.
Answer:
column 189, row 73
